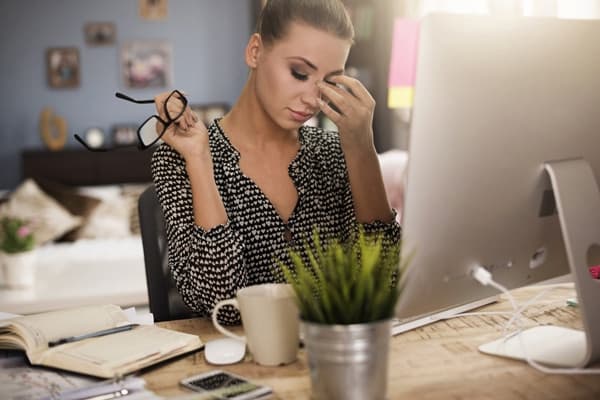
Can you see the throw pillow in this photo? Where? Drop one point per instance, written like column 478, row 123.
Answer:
column 50, row 219
column 76, row 203
column 110, row 219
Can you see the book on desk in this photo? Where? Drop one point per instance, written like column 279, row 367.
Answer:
column 90, row 340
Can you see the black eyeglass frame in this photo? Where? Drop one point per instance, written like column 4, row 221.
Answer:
column 166, row 124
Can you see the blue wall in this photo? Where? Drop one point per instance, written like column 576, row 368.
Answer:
column 207, row 38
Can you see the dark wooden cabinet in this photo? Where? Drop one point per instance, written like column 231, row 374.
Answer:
column 76, row 167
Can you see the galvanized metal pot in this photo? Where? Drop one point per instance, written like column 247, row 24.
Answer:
column 348, row 362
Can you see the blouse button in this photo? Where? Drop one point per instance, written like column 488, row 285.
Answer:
column 287, row 235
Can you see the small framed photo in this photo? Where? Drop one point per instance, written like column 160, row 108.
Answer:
column 146, row 64
column 63, row 67
column 100, row 33
column 153, row 10
column 209, row 112
column 124, row 135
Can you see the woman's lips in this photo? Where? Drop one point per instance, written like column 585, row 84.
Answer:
column 300, row 116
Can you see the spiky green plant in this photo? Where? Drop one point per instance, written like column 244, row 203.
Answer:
column 346, row 283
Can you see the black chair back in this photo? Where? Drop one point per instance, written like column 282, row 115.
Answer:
column 164, row 299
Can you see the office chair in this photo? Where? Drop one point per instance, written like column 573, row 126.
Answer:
column 164, row 299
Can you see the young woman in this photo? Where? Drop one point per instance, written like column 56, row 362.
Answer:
column 238, row 195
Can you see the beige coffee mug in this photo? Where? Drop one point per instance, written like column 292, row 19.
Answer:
column 271, row 322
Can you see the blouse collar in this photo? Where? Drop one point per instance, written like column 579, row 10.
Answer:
column 234, row 155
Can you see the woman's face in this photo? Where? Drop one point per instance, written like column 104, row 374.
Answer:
column 286, row 72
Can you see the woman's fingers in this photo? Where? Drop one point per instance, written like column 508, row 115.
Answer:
column 355, row 87
column 189, row 116
column 342, row 100
column 328, row 111
column 159, row 102
column 172, row 107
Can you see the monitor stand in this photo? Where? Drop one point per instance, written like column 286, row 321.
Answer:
column 408, row 324
column 578, row 203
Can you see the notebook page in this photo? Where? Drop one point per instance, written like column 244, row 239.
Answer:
column 123, row 349
column 39, row 329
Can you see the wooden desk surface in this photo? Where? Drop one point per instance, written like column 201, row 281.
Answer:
column 438, row 361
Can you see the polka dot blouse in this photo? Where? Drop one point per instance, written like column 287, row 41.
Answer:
column 211, row 265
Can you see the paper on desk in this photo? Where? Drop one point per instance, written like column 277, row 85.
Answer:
column 132, row 384
column 144, row 395
column 25, row 382
column 135, row 318
column 4, row 317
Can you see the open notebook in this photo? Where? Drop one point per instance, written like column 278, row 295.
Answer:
column 105, row 356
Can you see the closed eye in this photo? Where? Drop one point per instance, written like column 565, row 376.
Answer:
column 298, row 75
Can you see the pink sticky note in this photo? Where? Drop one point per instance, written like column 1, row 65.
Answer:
column 403, row 64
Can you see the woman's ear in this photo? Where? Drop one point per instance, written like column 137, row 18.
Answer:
column 253, row 50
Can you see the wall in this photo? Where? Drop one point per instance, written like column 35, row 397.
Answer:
column 207, row 37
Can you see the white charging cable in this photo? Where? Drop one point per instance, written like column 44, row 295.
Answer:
column 484, row 277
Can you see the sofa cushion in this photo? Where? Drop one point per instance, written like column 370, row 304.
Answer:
column 50, row 220
column 76, row 203
column 111, row 219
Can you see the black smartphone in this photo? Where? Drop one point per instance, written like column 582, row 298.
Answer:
column 225, row 385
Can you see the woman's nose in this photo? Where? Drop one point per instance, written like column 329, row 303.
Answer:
column 310, row 96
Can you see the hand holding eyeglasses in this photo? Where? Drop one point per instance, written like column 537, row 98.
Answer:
column 173, row 105
column 175, row 123
column 187, row 135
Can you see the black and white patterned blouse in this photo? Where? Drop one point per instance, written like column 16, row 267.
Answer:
column 209, row 266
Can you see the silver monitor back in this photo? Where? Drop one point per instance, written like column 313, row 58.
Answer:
column 495, row 99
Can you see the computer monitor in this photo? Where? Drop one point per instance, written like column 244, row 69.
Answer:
column 496, row 100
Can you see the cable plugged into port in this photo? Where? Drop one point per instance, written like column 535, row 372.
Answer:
column 481, row 275
column 484, row 277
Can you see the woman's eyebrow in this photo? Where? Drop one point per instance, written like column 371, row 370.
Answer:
column 314, row 67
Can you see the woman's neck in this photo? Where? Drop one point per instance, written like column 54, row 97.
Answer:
column 249, row 126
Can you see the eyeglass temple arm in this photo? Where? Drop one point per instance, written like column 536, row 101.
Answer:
column 80, row 140
column 125, row 97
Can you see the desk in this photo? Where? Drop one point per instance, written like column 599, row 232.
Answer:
column 438, row 361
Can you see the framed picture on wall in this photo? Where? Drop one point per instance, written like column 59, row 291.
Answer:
column 146, row 64
column 153, row 9
column 63, row 67
column 99, row 33
column 208, row 112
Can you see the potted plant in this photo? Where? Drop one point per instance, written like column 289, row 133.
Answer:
column 17, row 252
column 346, row 294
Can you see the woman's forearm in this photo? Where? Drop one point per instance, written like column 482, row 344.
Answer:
column 209, row 210
column 366, row 182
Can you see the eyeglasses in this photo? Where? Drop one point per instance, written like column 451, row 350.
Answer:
column 153, row 128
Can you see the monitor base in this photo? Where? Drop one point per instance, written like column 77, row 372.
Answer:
column 404, row 325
